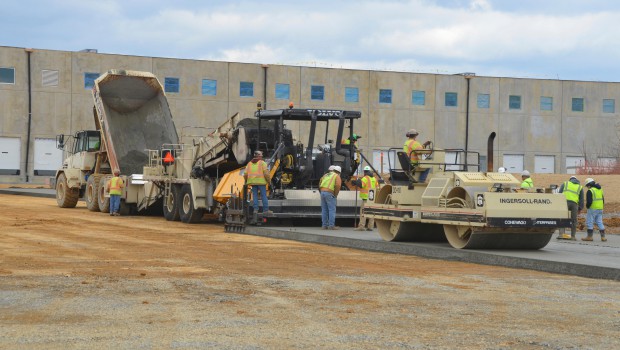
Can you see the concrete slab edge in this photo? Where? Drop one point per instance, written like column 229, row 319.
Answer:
column 21, row 192
column 441, row 253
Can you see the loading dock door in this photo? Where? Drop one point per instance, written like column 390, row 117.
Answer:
column 10, row 155
column 513, row 163
column 544, row 164
column 47, row 158
column 573, row 163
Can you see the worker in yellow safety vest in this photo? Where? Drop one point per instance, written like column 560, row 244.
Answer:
column 573, row 191
column 257, row 175
column 115, row 188
column 595, row 201
column 368, row 186
column 329, row 187
column 414, row 150
column 527, row 180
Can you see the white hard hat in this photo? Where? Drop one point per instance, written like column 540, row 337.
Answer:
column 367, row 168
column 525, row 173
column 116, row 171
column 258, row 153
column 331, row 167
column 337, row 168
column 573, row 177
column 412, row 132
column 589, row 180
column 501, row 169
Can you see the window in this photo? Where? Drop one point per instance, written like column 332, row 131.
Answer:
column 209, row 87
column 514, row 102
column 577, row 104
column 246, row 89
column 484, row 100
column 283, row 91
column 49, row 77
column 7, row 75
column 385, row 95
column 418, row 98
column 609, row 106
column 171, row 85
column 89, row 80
column 546, row 103
column 317, row 92
column 351, row 94
column 451, row 99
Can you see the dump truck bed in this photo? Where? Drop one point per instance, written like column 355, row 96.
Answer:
column 132, row 111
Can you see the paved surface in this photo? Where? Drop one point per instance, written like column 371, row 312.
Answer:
column 587, row 259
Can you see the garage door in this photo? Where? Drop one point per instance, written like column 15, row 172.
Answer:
column 10, row 155
column 574, row 163
column 47, row 158
column 544, row 164
column 513, row 163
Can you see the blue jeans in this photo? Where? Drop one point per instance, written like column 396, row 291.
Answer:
column 115, row 203
column 424, row 175
column 594, row 216
column 328, row 209
column 263, row 192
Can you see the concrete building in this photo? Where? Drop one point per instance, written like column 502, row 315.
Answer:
column 544, row 126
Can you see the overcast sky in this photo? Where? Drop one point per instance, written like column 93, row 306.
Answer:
column 550, row 39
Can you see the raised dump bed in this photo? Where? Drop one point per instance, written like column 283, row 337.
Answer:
column 134, row 116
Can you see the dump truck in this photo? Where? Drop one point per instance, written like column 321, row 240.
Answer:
column 466, row 207
column 131, row 115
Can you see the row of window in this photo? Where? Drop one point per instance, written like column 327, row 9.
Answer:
column 317, row 92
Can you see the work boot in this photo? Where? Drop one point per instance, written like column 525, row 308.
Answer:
column 268, row 213
column 368, row 229
column 334, row 227
column 359, row 228
column 603, row 238
column 589, row 237
column 324, row 228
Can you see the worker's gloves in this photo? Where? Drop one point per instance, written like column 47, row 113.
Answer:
column 427, row 143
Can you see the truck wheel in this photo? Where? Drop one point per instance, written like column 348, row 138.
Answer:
column 92, row 193
column 171, row 204
column 66, row 197
column 189, row 214
column 104, row 203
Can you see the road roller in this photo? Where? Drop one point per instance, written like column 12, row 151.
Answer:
column 468, row 209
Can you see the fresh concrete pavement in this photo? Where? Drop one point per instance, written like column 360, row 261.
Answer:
column 587, row 259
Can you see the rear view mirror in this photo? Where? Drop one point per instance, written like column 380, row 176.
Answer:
column 60, row 141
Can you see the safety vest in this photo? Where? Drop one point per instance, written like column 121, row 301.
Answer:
column 527, row 183
column 410, row 146
column 571, row 191
column 329, row 181
column 346, row 142
column 369, row 184
column 597, row 198
column 116, row 185
column 255, row 172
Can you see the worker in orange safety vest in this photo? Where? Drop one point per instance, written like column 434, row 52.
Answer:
column 115, row 188
column 257, row 175
column 414, row 150
column 368, row 186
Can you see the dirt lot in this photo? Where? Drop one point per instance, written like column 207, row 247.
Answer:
column 70, row 278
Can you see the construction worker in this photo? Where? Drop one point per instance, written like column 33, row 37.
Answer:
column 573, row 191
column 115, row 188
column 595, row 201
column 368, row 186
column 329, row 186
column 257, row 175
column 527, row 180
column 351, row 140
column 414, row 150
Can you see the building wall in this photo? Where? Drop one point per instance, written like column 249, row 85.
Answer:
column 527, row 130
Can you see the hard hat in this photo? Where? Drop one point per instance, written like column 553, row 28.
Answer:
column 573, row 177
column 356, row 136
column 501, row 169
column 331, row 167
column 589, row 181
column 525, row 173
column 116, row 171
column 367, row 168
column 258, row 153
column 412, row 132
column 337, row 168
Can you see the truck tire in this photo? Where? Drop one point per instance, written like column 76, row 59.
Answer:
column 66, row 197
column 189, row 214
column 171, row 204
column 91, row 196
column 104, row 203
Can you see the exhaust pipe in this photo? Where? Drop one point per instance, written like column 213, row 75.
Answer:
column 490, row 167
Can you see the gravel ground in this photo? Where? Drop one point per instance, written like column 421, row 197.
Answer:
column 73, row 279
